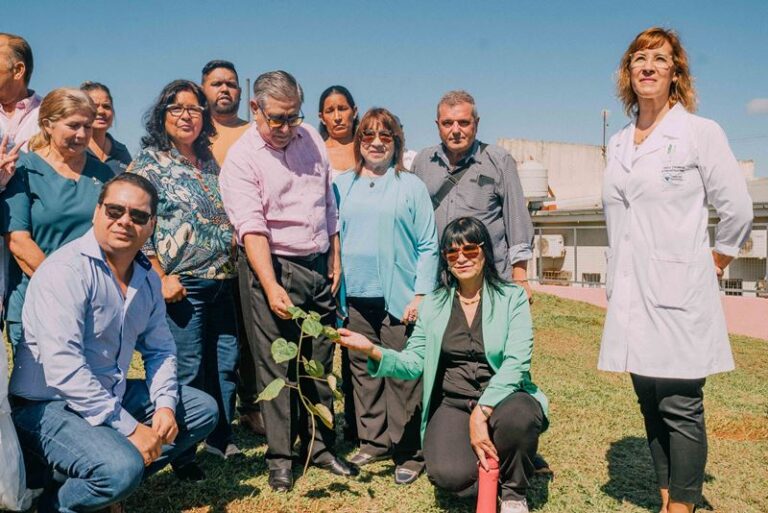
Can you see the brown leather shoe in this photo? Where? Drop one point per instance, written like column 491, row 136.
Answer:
column 253, row 422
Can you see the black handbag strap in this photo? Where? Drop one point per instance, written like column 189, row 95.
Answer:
column 452, row 180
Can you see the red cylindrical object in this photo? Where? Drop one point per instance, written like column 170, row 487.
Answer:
column 488, row 483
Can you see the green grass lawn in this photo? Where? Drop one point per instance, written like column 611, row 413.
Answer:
column 595, row 444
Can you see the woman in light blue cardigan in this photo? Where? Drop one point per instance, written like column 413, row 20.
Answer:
column 472, row 347
column 389, row 262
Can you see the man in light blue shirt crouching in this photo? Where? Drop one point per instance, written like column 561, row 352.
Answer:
column 88, row 431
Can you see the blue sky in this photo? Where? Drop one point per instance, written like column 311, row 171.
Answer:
column 538, row 70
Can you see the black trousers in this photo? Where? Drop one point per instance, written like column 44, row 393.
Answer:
column 247, row 391
column 350, row 417
column 307, row 285
column 673, row 411
column 514, row 427
column 388, row 410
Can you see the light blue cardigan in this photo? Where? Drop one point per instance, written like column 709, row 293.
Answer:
column 407, row 237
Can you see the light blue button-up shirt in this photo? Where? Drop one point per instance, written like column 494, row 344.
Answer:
column 80, row 333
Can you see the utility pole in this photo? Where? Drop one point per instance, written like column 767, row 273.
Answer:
column 248, row 98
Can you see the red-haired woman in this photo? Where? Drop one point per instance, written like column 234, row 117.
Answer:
column 665, row 324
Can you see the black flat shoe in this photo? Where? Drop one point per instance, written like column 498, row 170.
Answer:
column 338, row 467
column 281, row 479
column 190, row 472
column 405, row 476
column 363, row 458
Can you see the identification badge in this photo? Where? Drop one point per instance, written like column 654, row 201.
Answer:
column 674, row 174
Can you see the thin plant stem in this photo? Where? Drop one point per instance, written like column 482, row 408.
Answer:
column 304, row 402
column 307, row 376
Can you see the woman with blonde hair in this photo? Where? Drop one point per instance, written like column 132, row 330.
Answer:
column 665, row 323
column 51, row 197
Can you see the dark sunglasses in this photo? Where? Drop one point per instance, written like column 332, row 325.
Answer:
column 368, row 136
column 279, row 122
column 470, row 251
column 137, row 216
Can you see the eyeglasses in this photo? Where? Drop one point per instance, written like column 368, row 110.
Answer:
column 278, row 122
column 470, row 251
column 658, row 61
column 116, row 212
column 368, row 136
column 176, row 110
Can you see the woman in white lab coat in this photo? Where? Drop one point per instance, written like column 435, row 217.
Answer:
column 665, row 323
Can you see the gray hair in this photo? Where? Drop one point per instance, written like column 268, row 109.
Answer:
column 277, row 84
column 452, row 98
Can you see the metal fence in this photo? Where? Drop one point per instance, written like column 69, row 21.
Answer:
column 575, row 256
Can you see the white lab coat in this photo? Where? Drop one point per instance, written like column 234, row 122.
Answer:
column 664, row 316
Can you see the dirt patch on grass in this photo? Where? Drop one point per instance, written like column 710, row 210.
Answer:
column 748, row 428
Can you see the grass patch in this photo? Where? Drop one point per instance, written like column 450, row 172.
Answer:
column 595, row 444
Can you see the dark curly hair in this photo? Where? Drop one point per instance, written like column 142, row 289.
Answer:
column 154, row 120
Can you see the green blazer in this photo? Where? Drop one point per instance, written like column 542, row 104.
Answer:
column 507, row 337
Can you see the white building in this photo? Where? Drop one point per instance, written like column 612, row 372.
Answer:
column 570, row 229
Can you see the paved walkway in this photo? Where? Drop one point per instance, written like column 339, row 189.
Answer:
column 744, row 315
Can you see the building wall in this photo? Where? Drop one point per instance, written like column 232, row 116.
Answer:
column 575, row 170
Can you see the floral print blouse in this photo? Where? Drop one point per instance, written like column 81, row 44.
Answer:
column 193, row 235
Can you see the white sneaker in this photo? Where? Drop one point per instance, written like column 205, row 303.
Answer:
column 230, row 451
column 513, row 506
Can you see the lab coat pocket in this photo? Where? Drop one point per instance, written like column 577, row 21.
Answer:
column 668, row 279
column 610, row 270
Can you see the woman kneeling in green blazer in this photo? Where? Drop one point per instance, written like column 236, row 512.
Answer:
column 472, row 347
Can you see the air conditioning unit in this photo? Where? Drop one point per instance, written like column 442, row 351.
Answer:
column 552, row 246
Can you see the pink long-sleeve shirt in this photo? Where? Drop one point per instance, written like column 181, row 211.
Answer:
column 285, row 195
column 21, row 125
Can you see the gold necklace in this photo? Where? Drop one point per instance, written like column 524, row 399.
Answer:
column 472, row 301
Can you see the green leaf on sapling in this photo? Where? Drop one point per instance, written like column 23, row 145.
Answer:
column 282, row 350
column 271, row 391
column 311, row 327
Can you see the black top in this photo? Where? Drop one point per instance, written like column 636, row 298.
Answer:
column 464, row 369
column 118, row 159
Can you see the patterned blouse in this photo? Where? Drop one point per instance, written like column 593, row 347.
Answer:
column 193, row 236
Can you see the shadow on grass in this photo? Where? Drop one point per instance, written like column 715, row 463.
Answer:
column 538, row 493
column 164, row 492
column 449, row 503
column 632, row 477
column 330, row 490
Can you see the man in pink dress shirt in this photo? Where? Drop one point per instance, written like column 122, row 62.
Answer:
column 276, row 187
column 19, row 104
